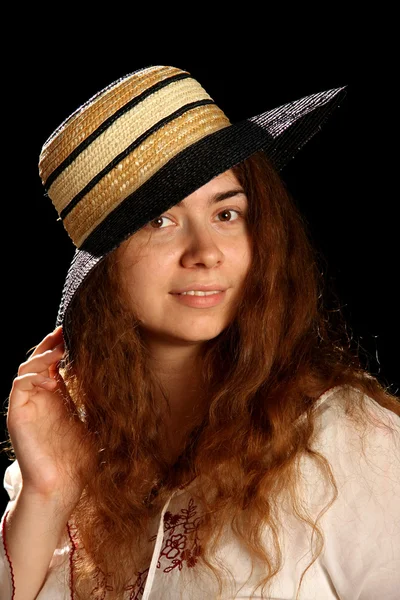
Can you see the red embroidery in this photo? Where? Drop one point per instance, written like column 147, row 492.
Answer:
column 7, row 555
column 101, row 579
column 137, row 589
column 180, row 530
column 181, row 545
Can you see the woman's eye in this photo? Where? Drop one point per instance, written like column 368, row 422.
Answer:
column 223, row 212
column 229, row 210
column 155, row 221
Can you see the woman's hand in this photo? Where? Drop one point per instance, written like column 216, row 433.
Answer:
column 44, row 427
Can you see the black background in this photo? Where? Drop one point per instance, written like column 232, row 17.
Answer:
column 343, row 179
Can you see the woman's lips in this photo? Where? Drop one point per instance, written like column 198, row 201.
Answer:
column 200, row 301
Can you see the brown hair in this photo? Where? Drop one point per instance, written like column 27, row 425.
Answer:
column 283, row 349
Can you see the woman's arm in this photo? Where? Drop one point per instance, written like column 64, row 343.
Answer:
column 33, row 527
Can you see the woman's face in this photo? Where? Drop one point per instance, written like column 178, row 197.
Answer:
column 200, row 242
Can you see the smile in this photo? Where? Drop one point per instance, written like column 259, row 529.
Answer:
column 198, row 293
column 199, row 299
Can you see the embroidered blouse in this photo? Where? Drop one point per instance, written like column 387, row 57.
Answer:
column 361, row 556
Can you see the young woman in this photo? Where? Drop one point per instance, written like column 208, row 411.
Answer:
column 197, row 425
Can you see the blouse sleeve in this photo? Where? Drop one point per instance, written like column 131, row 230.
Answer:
column 362, row 528
column 57, row 582
column 12, row 484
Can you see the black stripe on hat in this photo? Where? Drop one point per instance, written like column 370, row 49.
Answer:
column 85, row 143
column 128, row 150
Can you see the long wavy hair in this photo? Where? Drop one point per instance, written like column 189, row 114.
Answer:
column 287, row 344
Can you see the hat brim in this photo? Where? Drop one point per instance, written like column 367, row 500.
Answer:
column 280, row 133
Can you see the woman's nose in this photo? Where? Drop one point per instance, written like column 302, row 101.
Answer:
column 201, row 248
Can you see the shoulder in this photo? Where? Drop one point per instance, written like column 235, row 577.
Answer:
column 363, row 454
column 345, row 413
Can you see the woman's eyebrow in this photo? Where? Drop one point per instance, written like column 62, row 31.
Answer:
column 218, row 197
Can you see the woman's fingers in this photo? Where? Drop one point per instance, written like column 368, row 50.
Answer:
column 49, row 342
column 40, row 363
column 28, row 382
column 24, row 388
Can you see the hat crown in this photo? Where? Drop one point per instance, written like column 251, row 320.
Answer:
column 113, row 143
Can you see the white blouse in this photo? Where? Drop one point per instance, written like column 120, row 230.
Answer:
column 361, row 557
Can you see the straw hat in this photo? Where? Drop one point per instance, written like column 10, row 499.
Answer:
column 145, row 142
